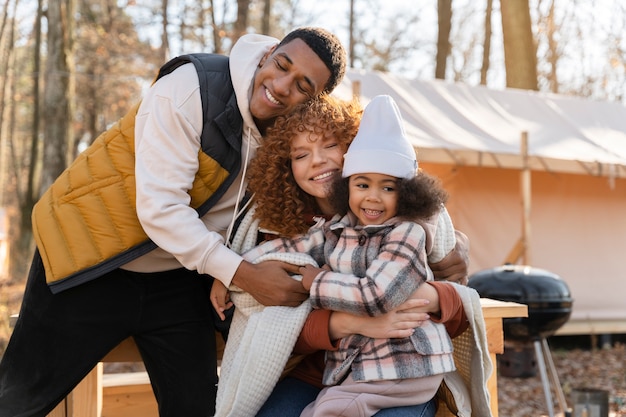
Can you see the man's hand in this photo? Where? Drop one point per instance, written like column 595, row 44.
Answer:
column 455, row 265
column 270, row 283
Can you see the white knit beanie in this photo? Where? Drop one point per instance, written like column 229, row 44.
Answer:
column 381, row 145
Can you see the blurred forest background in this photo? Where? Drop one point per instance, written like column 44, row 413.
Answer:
column 71, row 68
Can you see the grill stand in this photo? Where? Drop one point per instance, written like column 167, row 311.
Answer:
column 542, row 352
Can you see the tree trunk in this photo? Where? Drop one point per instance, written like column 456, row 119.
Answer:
column 241, row 24
column 217, row 36
column 165, row 43
column 553, row 49
column 520, row 56
column 58, row 91
column 21, row 249
column 484, row 69
column 444, row 17
column 266, row 26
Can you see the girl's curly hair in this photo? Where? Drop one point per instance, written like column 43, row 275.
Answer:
column 418, row 198
column 281, row 205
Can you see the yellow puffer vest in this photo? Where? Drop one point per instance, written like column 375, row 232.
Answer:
column 86, row 223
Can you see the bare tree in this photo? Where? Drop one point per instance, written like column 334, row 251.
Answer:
column 444, row 18
column 7, row 127
column 26, row 199
column 391, row 44
column 520, row 56
column 241, row 24
column 266, row 20
column 351, row 35
column 59, row 90
column 165, row 43
column 484, row 69
column 553, row 50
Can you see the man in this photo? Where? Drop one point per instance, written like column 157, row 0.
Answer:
column 127, row 235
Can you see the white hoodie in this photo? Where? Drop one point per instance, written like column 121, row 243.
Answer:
column 167, row 142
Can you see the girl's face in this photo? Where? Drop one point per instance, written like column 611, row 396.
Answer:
column 315, row 162
column 373, row 197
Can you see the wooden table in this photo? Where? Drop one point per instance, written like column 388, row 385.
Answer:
column 86, row 400
column 494, row 311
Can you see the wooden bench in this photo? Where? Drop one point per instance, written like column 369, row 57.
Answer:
column 127, row 394
column 130, row 394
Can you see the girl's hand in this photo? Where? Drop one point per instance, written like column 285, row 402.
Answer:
column 220, row 298
column 309, row 272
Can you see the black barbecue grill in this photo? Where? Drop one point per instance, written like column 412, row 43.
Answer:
column 549, row 307
column 546, row 295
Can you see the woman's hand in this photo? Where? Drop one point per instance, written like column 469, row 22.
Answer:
column 455, row 265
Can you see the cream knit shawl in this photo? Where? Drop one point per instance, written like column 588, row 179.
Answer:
column 260, row 339
column 468, row 384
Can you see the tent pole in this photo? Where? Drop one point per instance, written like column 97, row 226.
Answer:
column 525, row 187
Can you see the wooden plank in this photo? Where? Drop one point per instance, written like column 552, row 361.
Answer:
column 126, row 351
column 129, row 401
column 502, row 309
column 592, row 327
column 60, row 410
column 87, row 396
column 125, row 378
column 495, row 343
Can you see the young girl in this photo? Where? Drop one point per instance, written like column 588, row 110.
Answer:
column 378, row 260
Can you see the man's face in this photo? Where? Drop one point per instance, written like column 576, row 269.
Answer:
column 287, row 76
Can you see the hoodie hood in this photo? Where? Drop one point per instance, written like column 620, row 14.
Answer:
column 244, row 60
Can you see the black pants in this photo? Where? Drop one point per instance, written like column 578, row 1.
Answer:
column 59, row 338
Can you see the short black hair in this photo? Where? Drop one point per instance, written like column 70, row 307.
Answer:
column 325, row 45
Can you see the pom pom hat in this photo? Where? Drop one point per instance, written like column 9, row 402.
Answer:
column 381, row 145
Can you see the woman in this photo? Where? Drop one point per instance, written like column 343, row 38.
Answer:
column 312, row 142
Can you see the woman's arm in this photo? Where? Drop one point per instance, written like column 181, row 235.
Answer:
column 323, row 328
column 451, row 312
column 438, row 301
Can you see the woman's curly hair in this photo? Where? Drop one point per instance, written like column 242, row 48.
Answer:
column 281, row 205
column 418, row 198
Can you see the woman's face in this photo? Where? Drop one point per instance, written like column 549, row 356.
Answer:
column 315, row 163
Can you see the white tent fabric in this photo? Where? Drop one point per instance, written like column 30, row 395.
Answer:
column 471, row 138
column 477, row 126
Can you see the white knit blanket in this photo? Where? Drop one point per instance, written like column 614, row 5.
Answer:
column 471, row 356
column 260, row 339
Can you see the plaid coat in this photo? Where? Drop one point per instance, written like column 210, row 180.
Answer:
column 374, row 269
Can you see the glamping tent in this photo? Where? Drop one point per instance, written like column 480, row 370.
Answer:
column 534, row 179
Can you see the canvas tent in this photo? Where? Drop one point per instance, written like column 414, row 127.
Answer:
column 471, row 137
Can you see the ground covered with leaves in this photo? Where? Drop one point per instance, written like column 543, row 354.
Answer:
column 577, row 368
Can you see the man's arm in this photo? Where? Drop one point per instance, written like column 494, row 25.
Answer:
column 455, row 265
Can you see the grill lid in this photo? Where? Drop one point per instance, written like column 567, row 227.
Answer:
column 546, row 295
column 520, row 283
